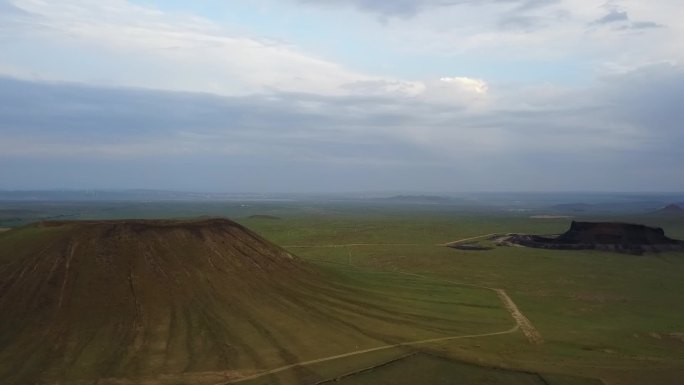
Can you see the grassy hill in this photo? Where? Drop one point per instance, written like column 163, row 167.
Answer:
column 201, row 301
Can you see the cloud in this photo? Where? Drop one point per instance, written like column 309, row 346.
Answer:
column 534, row 4
column 649, row 98
column 70, row 120
column 525, row 23
column 478, row 86
column 143, row 47
column 111, row 83
column 406, row 8
column 616, row 16
column 385, row 87
column 136, row 46
column 585, row 136
column 7, row 9
column 643, row 25
column 612, row 17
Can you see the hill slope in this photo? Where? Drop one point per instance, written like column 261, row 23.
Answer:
column 169, row 302
column 90, row 299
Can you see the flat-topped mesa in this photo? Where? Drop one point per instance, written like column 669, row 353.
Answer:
column 610, row 236
column 613, row 233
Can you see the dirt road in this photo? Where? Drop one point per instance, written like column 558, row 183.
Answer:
column 349, row 245
column 364, row 351
column 525, row 325
column 521, row 322
column 456, row 242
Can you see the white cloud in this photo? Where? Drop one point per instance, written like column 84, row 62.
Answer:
column 562, row 134
column 120, row 44
column 116, row 43
column 477, row 86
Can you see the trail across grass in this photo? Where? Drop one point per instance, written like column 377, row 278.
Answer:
column 364, row 351
column 521, row 322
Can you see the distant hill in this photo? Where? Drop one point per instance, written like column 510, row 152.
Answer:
column 263, row 216
column 419, row 199
column 671, row 209
column 617, row 207
column 572, row 207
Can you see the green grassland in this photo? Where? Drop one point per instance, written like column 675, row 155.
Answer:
column 444, row 371
column 614, row 317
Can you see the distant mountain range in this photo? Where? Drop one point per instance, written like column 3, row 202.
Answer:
column 130, row 195
column 421, row 199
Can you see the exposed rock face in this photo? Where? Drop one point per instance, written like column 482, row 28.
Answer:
column 612, row 234
column 619, row 237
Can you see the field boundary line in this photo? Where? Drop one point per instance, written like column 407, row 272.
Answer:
column 359, row 371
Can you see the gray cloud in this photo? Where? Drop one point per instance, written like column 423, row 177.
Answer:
column 650, row 98
column 616, row 16
column 643, row 25
column 612, row 17
column 7, row 8
column 534, row 4
column 516, row 22
column 611, row 136
column 68, row 116
column 412, row 7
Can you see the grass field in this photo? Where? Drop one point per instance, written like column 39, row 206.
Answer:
column 412, row 369
column 614, row 317
column 611, row 316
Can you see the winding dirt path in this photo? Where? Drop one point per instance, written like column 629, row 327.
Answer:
column 358, row 352
column 350, row 245
column 533, row 336
column 522, row 323
column 456, row 242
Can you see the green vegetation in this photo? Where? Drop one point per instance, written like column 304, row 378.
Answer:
column 442, row 371
column 609, row 316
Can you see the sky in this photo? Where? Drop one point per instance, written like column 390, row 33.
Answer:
column 342, row 95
